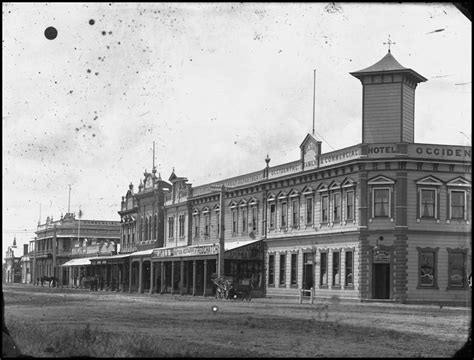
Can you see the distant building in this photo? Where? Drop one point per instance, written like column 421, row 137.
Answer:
column 26, row 264
column 12, row 266
column 63, row 248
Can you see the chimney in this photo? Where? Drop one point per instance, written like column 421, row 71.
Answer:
column 25, row 249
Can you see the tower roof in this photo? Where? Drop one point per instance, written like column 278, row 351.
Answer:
column 388, row 64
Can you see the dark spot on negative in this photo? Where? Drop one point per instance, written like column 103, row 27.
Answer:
column 91, row 22
column 89, row 71
column 104, row 32
column 51, row 33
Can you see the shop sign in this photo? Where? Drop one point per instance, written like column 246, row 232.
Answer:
column 197, row 250
column 381, row 256
column 248, row 252
column 212, row 249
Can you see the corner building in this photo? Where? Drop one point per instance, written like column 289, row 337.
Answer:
column 387, row 219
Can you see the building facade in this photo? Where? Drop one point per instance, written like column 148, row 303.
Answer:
column 63, row 248
column 12, row 267
column 387, row 219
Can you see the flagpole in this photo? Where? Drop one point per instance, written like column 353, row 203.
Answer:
column 79, row 225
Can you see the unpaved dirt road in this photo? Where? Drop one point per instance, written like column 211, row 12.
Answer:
column 188, row 326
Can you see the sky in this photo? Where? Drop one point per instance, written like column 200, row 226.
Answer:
column 217, row 86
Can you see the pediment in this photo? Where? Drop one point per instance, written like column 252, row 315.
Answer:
column 271, row 197
column 307, row 190
column 459, row 181
column 348, row 182
column 429, row 180
column 322, row 187
column 253, row 201
column 334, row 185
column 381, row 180
column 282, row 195
column 294, row 193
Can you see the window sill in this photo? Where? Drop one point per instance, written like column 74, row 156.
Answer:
column 336, row 287
column 349, row 287
column 282, row 285
column 294, row 286
column 427, row 287
column 271, row 285
column 323, row 287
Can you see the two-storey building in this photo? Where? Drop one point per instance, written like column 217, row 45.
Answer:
column 64, row 248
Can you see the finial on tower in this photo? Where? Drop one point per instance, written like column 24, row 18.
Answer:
column 389, row 42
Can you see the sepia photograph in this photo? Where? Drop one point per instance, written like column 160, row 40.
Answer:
column 211, row 180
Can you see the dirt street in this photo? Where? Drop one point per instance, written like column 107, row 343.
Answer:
column 64, row 322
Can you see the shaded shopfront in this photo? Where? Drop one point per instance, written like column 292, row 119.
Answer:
column 190, row 270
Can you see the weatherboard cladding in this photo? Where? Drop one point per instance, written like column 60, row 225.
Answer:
column 382, row 113
column 408, row 113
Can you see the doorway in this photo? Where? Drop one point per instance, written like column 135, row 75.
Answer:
column 308, row 273
column 381, row 281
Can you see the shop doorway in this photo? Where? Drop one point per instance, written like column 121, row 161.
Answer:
column 308, row 272
column 381, row 281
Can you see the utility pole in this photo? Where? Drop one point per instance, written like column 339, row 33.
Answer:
column 220, row 260
column 69, row 200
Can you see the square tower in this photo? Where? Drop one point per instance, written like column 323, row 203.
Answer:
column 388, row 101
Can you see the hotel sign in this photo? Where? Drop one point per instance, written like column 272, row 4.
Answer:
column 444, row 152
column 212, row 249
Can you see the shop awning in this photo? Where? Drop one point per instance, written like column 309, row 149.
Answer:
column 142, row 253
column 78, row 262
column 111, row 257
column 237, row 244
column 244, row 250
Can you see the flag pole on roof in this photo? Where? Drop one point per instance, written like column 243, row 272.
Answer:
column 79, row 215
column 314, row 96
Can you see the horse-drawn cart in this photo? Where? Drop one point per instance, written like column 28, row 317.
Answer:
column 227, row 288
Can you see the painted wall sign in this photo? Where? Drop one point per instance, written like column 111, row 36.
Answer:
column 335, row 157
column 286, row 169
column 440, row 152
column 238, row 181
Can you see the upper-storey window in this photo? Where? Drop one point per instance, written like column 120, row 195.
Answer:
column 181, row 220
column 284, row 214
column 309, row 210
column 458, row 198
column 381, row 202
column 381, row 188
column 171, row 227
column 428, row 197
column 206, row 215
column 324, row 208
column 337, row 207
column 349, row 205
column 308, row 198
column 243, row 215
column 196, row 222
column 282, row 198
column 348, row 199
column 272, row 212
